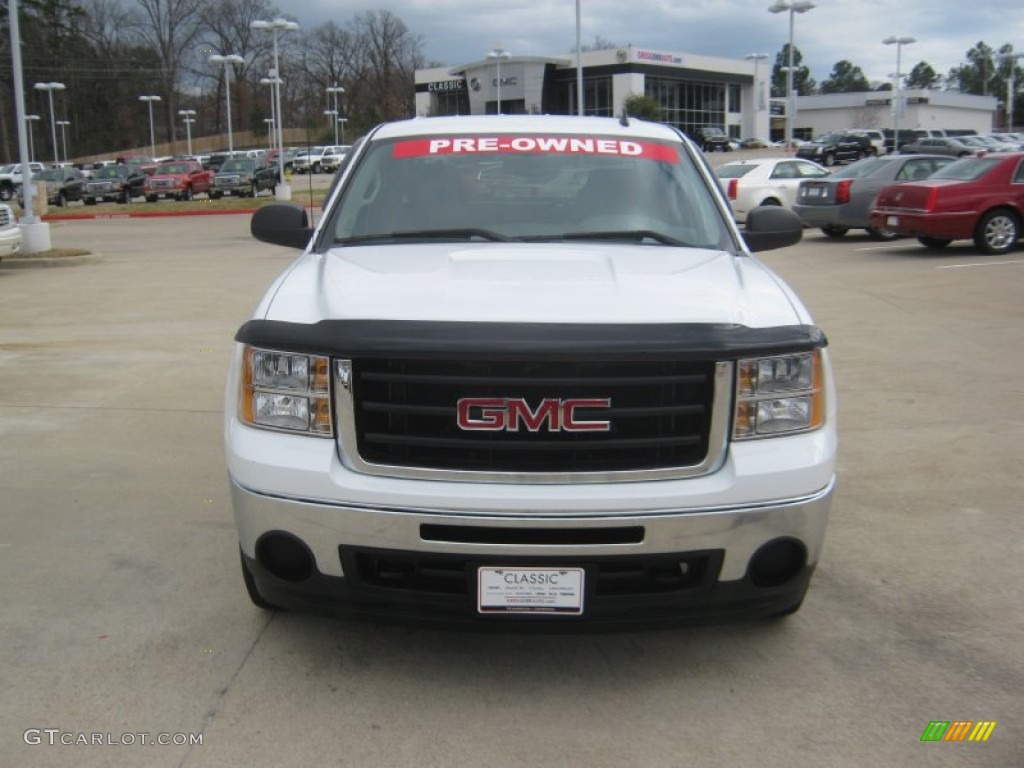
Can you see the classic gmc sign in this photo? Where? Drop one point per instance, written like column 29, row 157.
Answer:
column 508, row 414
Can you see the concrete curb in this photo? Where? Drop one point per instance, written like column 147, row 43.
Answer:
column 33, row 262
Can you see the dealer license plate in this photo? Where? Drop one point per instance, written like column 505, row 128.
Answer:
column 530, row 590
column 892, row 221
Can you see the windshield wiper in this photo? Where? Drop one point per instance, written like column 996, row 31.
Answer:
column 616, row 234
column 427, row 234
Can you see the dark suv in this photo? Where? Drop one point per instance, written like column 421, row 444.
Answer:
column 831, row 148
column 711, row 138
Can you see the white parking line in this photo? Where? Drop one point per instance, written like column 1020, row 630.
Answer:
column 980, row 264
column 887, row 247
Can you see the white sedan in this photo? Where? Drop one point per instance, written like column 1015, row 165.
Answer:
column 764, row 181
column 10, row 234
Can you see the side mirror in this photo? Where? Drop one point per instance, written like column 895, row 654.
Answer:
column 769, row 227
column 284, row 224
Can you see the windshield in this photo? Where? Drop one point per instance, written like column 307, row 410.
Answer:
column 967, row 169
column 110, row 172
column 53, row 174
column 171, row 168
column 826, row 138
column 734, row 170
column 237, row 165
column 861, row 169
column 526, row 188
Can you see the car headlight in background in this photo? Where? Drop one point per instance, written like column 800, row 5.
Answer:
column 779, row 395
column 286, row 391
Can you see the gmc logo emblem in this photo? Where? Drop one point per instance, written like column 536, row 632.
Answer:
column 506, row 414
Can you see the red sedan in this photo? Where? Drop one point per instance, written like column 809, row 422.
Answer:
column 979, row 198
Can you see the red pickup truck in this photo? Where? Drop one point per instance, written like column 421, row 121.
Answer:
column 178, row 179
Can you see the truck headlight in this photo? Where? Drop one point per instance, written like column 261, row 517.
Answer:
column 285, row 391
column 778, row 395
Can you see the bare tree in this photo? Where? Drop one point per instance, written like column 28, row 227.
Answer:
column 389, row 56
column 171, row 27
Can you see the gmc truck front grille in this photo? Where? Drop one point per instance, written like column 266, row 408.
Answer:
column 660, row 416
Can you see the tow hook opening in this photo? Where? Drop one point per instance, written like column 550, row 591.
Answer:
column 285, row 556
column 777, row 562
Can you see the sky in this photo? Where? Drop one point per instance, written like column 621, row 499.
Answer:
column 462, row 31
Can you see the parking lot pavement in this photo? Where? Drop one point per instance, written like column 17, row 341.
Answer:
column 125, row 611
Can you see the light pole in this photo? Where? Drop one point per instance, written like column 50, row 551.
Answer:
column 579, row 61
column 187, row 117
column 335, row 90
column 63, row 136
column 757, row 58
column 794, row 7
column 343, row 120
column 271, row 81
column 332, row 114
column 50, row 88
column 152, row 136
column 1011, row 85
column 31, row 120
column 270, row 132
column 498, row 54
column 275, row 27
column 897, row 101
column 227, row 60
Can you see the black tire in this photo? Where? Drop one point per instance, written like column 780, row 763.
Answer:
column 934, row 242
column 835, row 232
column 254, row 191
column 90, row 201
column 997, row 232
column 186, row 195
column 6, row 193
column 881, row 234
column 250, row 587
column 125, row 197
column 829, row 160
column 216, row 195
column 151, row 198
column 62, row 200
column 317, row 168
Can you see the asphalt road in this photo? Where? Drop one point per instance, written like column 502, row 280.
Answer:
column 125, row 611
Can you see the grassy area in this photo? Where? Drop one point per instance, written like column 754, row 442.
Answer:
column 300, row 196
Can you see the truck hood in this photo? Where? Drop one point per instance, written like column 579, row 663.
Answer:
column 531, row 282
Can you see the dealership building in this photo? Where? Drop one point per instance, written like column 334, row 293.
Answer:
column 693, row 91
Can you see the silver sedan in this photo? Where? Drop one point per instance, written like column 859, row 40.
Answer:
column 842, row 201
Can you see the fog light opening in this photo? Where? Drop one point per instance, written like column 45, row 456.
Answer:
column 777, row 562
column 285, row 556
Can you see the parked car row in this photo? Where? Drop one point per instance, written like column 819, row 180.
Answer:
column 937, row 198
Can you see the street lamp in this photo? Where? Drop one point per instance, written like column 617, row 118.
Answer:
column 63, row 136
column 335, row 90
column 31, row 120
column 50, row 88
column 333, row 115
column 227, row 60
column 271, row 81
column 757, row 58
column 899, row 42
column 274, row 27
column 152, row 136
column 188, row 119
column 343, row 120
column 794, row 7
column 498, row 54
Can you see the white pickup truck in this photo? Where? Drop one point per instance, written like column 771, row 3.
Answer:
column 10, row 178
column 526, row 371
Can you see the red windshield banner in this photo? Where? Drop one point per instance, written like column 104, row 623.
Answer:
column 468, row 145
